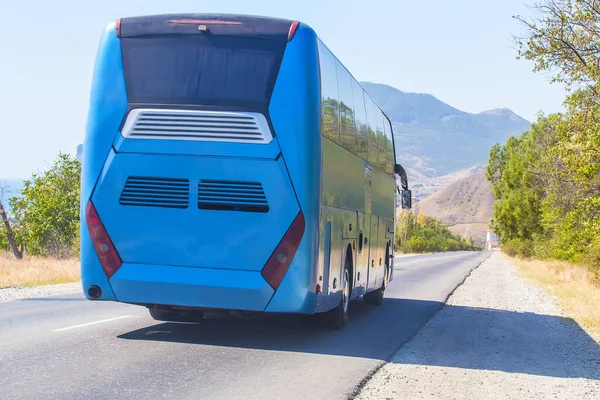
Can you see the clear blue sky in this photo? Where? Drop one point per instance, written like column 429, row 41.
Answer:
column 460, row 51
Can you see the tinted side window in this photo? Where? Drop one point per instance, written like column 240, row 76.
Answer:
column 329, row 92
column 381, row 142
column 387, row 128
column 372, row 130
column 360, row 114
column 346, row 107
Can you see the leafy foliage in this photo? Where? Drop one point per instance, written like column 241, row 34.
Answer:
column 3, row 241
column 422, row 234
column 47, row 214
column 547, row 182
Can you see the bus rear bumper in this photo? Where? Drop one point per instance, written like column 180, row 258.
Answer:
column 191, row 287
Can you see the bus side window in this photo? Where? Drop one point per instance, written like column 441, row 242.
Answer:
column 389, row 146
column 330, row 102
column 360, row 114
column 346, row 109
column 372, row 131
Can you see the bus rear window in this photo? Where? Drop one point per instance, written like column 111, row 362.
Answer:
column 201, row 70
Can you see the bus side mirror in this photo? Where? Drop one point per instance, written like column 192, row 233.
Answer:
column 400, row 172
column 406, row 199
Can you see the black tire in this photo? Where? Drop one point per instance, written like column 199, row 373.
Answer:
column 375, row 298
column 166, row 315
column 338, row 317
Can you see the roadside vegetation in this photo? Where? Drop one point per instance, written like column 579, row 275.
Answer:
column 36, row 271
column 547, row 181
column 39, row 238
column 422, row 234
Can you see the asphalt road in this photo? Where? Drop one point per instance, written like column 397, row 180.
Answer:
column 66, row 347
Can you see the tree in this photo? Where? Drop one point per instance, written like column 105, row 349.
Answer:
column 564, row 37
column 8, row 232
column 48, row 211
column 547, row 182
column 517, row 210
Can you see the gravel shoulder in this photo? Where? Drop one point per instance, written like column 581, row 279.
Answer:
column 498, row 337
column 19, row 292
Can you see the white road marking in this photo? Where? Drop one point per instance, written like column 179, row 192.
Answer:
column 92, row 323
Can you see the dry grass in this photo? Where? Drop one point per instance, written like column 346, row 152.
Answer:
column 33, row 271
column 573, row 285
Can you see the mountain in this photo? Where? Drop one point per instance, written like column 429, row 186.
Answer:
column 466, row 204
column 435, row 138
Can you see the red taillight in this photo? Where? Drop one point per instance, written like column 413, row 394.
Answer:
column 109, row 258
column 293, row 29
column 282, row 257
column 119, row 28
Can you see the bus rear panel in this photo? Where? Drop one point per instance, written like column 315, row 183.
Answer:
column 201, row 177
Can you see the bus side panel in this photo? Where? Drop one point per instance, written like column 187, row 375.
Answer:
column 362, row 257
column 341, row 193
column 295, row 115
column 383, row 194
column 383, row 242
column 108, row 104
column 329, row 259
column 374, row 252
column 332, row 255
column 341, row 188
column 389, row 239
column 383, row 203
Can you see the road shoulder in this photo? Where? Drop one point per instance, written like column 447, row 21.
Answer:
column 20, row 292
column 498, row 337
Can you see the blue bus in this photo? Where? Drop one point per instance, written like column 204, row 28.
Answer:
column 232, row 163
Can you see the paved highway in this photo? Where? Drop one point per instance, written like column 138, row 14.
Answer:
column 66, row 347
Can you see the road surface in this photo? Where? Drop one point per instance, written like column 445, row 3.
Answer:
column 66, row 347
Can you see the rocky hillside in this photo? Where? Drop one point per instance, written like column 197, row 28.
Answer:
column 466, row 204
column 423, row 186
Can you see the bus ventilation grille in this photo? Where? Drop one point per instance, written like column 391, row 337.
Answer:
column 156, row 192
column 212, row 126
column 232, row 196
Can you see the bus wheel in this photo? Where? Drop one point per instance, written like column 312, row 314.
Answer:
column 375, row 298
column 166, row 315
column 338, row 317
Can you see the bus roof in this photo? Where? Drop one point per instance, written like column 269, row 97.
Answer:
column 215, row 24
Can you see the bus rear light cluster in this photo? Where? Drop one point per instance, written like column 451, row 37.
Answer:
column 105, row 249
column 282, row 257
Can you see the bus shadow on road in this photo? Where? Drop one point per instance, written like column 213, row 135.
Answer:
column 466, row 337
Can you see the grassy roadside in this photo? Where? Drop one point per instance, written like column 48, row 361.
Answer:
column 33, row 271
column 573, row 285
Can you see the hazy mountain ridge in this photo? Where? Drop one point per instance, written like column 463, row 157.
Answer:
column 436, row 138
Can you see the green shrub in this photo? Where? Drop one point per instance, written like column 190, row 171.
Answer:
column 422, row 234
